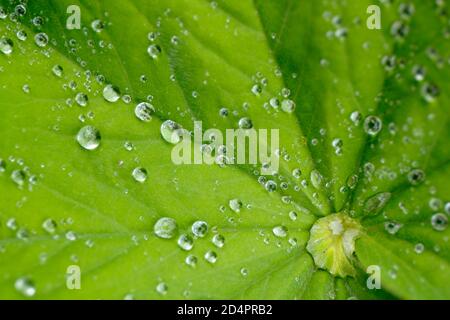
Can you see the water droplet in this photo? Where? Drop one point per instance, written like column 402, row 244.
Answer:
column 439, row 221
column 6, row 45
column 218, row 240
column 21, row 35
column 154, row 51
column 376, row 202
column 235, row 205
column 111, row 93
column 257, row 89
column 185, row 242
column 2, row 166
column 144, row 111
column 430, row 92
column 49, row 225
column 211, row 256
column 316, row 178
column 293, row 215
column 418, row 73
column 223, row 112
column 191, row 260
column 165, row 228
column 89, row 137
column 82, row 99
column 288, row 105
column 270, row 186
column 57, row 70
column 139, row 174
column 20, row 10
column 199, row 228
column 25, row 286
column 392, row 227
column 172, row 132
column 18, row 177
column 162, row 288
column 97, row 25
column 41, row 39
column 419, row 248
column 71, row 236
column 280, row 231
column 372, row 125
column 244, row 272
column 416, row 176
column 245, row 123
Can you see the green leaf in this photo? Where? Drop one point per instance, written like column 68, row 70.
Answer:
column 207, row 56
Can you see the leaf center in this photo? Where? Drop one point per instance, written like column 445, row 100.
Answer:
column 332, row 243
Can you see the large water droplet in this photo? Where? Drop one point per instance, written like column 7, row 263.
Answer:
column 6, row 45
column 89, row 137
column 154, row 51
column 111, row 93
column 199, row 228
column 144, row 111
column 172, row 132
column 165, row 228
column 25, row 286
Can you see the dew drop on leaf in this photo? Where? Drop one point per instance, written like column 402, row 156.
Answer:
column 49, row 225
column 41, row 39
column 57, row 70
column 25, row 286
column 139, row 174
column 218, row 240
column 372, row 125
column 185, row 242
column 81, row 99
column 18, row 177
column 154, row 51
column 172, row 132
column 162, row 288
column 235, row 205
column 6, row 46
column 288, row 105
column 165, row 228
column 144, row 111
column 191, row 260
column 111, row 93
column 199, row 228
column 280, row 231
column 439, row 221
column 211, row 256
column 245, row 123
column 89, row 138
